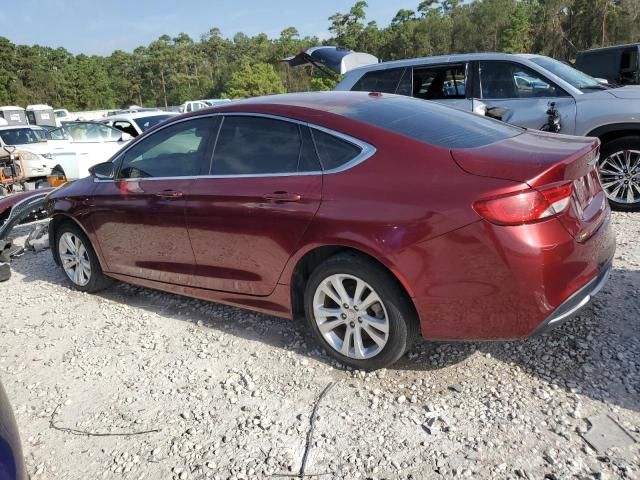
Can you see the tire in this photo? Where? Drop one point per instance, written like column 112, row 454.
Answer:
column 393, row 312
column 613, row 165
column 92, row 280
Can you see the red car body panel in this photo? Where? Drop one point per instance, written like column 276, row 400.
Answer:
column 409, row 206
column 248, row 261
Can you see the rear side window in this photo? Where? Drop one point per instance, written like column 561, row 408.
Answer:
column 334, row 152
column 439, row 83
column 430, row 122
column 261, row 146
column 385, row 81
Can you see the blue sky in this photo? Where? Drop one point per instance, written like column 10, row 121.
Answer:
column 100, row 27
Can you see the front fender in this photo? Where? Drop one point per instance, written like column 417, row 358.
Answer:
column 17, row 207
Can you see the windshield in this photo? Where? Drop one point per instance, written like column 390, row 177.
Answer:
column 145, row 123
column 20, row 136
column 569, row 74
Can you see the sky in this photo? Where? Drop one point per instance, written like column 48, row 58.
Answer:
column 100, row 27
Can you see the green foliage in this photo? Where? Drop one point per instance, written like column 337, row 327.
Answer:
column 252, row 80
column 170, row 71
column 322, row 84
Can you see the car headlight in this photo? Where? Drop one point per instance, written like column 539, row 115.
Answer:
column 28, row 156
column 48, row 156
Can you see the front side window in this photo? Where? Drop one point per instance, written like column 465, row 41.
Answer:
column 57, row 134
column 261, row 146
column 500, row 80
column 176, row 151
column 385, row 81
column 92, row 132
column 439, row 82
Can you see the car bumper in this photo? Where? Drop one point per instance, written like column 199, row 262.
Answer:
column 575, row 302
column 486, row 282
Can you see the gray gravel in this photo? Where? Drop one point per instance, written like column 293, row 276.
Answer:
column 231, row 391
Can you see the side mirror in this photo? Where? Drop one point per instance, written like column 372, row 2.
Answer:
column 103, row 171
column 125, row 137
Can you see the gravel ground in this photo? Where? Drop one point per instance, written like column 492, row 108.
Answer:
column 229, row 394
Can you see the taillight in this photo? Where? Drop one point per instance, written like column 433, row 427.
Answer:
column 525, row 206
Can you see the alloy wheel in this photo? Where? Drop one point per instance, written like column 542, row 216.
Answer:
column 620, row 176
column 74, row 258
column 351, row 316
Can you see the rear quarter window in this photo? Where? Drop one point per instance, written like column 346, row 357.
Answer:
column 430, row 122
column 332, row 151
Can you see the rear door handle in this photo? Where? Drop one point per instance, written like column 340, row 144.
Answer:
column 282, row 197
column 169, row 194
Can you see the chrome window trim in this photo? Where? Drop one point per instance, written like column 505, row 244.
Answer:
column 366, row 150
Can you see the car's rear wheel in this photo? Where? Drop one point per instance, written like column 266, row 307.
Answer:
column 78, row 259
column 359, row 313
column 620, row 172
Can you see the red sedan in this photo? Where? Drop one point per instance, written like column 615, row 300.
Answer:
column 375, row 217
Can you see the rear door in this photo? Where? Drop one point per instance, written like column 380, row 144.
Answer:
column 245, row 220
column 139, row 218
column 523, row 94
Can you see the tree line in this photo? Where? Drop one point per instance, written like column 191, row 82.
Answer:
column 170, row 71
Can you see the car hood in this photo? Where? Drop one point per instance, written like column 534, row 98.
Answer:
column 40, row 148
column 630, row 92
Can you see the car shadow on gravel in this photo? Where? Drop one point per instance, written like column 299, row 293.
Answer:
column 591, row 354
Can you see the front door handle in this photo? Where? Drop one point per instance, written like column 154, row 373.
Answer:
column 168, row 194
column 282, row 197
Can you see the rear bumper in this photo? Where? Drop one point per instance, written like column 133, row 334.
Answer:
column 486, row 282
column 575, row 302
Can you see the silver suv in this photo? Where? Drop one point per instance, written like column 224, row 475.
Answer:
column 524, row 88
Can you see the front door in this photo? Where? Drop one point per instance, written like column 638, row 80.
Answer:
column 246, row 219
column 139, row 219
column 523, row 96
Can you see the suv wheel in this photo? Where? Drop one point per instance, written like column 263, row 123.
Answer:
column 620, row 172
column 359, row 313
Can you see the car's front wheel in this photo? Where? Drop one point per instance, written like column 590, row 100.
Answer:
column 359, row 313
column 78, row 259
column 620, row 172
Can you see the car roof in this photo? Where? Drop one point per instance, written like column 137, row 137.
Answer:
column 612, row 47
column 459, row 57
column 331, row 102
column 17, row 127
column 133, row 116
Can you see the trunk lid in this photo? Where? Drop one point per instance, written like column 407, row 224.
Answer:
column 336, row 59
column 542, row 160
